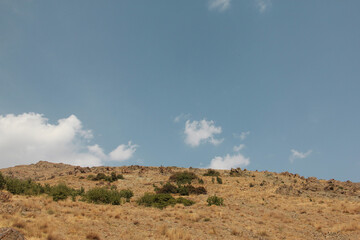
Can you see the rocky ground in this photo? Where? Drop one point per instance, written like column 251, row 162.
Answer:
column 257, row 205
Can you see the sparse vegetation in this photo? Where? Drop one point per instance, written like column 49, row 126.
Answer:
column 235, row 209
column 184, row 190
column 105, row 196
column 62, row 192
column 102, row 176
column 2, row 182
column 23, row 187
column 183, row 177
column 212, row 172
column 219, row 180
column 215, row 200
column 162, row 200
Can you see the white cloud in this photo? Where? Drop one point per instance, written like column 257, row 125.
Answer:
column 263, row 5
column 123, row 152
column 220, row 5
column 239, row 148
column 29, row 137
column 182, row 116
column 298, row 155
column 242, row 135
column 229, row 161
column 203, row 131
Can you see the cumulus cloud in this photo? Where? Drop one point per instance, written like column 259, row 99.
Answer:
column 203, row 131
column 229, row 161
column 242, row 135
column 123, row 152
column 263, row 5
column 220, row 5
column 298, row 155
column 239, row 148
column 29, row 137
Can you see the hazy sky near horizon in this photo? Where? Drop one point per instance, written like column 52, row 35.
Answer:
column 257, row 84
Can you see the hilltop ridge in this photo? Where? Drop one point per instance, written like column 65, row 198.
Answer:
column 257, row 205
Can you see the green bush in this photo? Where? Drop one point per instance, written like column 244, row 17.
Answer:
column 212, row 172
column 215, row 200
column 184, row 190
column 62, row 192
column 103, row 195
column 184, row 201
column 167, row 188
column 219, row 180
column 162, row 200
column 183, row 177
column 189, row 189
column 110, row 178
column 2, row 182
column 127, row 194
column 159, row 200
column 23, row 187
column 200, row 181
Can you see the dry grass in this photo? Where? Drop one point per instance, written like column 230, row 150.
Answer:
column 249, row 212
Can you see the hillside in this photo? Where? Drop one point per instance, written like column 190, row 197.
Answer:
column 257, row 205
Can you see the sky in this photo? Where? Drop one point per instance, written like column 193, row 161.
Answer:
column 256, row 84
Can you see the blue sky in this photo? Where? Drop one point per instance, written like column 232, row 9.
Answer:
column 181, row 83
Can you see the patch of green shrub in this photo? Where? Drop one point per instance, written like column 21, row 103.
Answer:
column 183, row 177
column 127, row 194
column 212, row 172
column 23, row 187
column 184, row 190
column 106, row 196
column 102, row 176
column 215, row 200
column 219, row 180
column 167, row 188
column 62, row 192
column 161, row 200
column 2, row 182
column 184, row 201
column 200, row 181
column 189, row 189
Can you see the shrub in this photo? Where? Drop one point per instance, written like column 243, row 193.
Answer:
column 101, row 176
column 215, row 200
column 212, row 172
column 127, row 194
column 200, row 181
column 184, row 201
column 23, row 187
column 2, row 182
column 159, row 200
column 167, row 188
column 62, row 192
column 162, row 200
column 183, row 177
column 189, row 189
column 103, row 195
column 219, row 180
column 181, row 189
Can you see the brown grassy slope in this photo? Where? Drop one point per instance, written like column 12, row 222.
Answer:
column 258, row 205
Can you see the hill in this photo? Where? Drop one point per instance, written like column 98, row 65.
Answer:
column 256, row 205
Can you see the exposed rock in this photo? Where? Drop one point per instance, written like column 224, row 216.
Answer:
column 10, row 234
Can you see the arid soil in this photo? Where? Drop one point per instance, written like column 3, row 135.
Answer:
column 257, row 205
